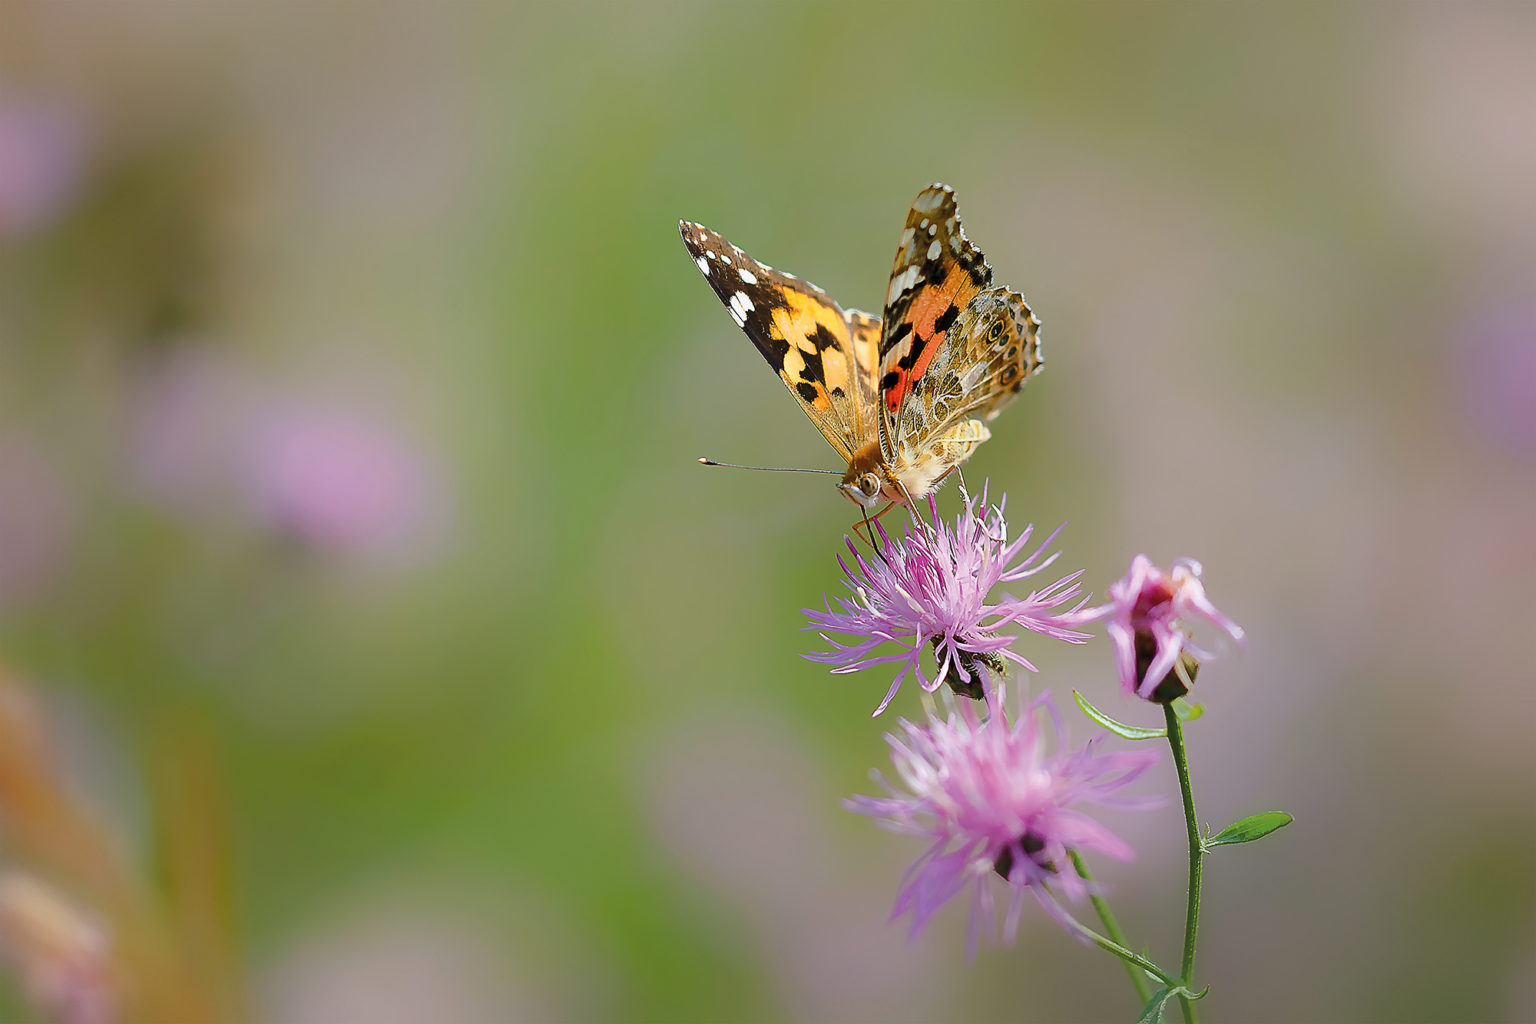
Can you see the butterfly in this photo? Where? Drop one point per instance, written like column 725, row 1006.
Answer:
column 905, row 397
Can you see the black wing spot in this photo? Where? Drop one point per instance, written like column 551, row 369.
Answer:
column 759, row 327
column 807, row 391
column 822, row 338
column 837, row 392
column 813, row 369
column 945, row 320
column 889, row 380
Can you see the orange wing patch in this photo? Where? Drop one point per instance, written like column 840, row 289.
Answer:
column 936, row 274
column 800, row 331
column 931, row 312
column 809, row 327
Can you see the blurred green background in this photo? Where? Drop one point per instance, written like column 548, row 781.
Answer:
column 351, row 377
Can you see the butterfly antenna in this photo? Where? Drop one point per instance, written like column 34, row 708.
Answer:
column 765, row 469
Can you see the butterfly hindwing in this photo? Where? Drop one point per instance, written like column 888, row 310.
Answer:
column 865, row 331
column 826, row 357
column 936, row 274
column 990, row 350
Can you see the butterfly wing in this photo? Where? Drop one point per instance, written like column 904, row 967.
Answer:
column 937, row 272
column 992, row 348
column 864, row 331
column 825, row 356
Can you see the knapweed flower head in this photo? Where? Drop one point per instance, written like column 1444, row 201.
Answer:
column 993, row 798
column 932, row 588
column 1146, row 619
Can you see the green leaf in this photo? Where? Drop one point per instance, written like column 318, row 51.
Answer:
column 1129, row 732
column 1153, row 1011
column 1186, row 711
column 1255, row 826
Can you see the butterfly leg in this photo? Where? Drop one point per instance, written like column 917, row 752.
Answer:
column 868, row 523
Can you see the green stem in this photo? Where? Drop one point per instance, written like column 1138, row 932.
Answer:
column 1112, row 927
column 1191, row 824
column 1110, row 946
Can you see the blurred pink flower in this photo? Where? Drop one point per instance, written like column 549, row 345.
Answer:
column 1498, row 370
column 341, row 481
column 1146, row 613
column 42, row 155
column 37, row 514
column 211, row 440
column 932, row 588
column 991, row 799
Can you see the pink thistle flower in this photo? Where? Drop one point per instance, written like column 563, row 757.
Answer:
column 1146, row 613
column 931, row 588
column 991, row 799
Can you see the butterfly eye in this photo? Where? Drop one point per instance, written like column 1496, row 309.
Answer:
column 869, row 484
column 996, row 331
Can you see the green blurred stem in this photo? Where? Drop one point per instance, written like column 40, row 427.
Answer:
column 1110, row 946
column 1112, row 927
column 1192, row 826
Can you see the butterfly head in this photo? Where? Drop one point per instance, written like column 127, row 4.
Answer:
column 864, row 482
column 863, row 489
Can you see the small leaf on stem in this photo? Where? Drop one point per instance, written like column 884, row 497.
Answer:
column 1255, row 826
column 1186, row 711
column 1129, row 732
column 1153, row 1011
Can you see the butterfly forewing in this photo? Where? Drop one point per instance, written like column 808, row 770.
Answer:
column 825, row 356
column 936, row 274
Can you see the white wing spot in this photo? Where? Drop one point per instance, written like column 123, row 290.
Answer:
column 933, row 229
column 747, row 276
column 934, row 248
column 740, row 307
column 901, row 282
column 703, row 265
column 710, row 254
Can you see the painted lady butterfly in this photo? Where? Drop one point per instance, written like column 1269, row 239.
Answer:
column 905, row 398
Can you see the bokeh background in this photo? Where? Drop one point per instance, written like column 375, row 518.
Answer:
column 394, row 661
